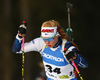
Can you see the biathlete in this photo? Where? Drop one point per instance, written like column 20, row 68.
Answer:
column 56, row 49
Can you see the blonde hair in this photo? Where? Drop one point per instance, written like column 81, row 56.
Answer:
column 49, row 24
column 63, row 35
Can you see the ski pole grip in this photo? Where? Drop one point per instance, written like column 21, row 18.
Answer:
column 69, row 5
column 24, row 22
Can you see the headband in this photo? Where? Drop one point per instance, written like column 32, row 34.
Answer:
column 48, row 31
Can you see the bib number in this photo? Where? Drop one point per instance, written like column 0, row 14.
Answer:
column 56, row 70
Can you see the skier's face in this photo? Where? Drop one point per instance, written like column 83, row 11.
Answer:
column 53, row 42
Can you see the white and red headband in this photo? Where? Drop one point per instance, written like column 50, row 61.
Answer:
column 48, row 31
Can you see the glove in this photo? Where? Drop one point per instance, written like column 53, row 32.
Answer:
column 22, row 30
column 71, row 55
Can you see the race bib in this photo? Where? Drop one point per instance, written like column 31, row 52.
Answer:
column 59, row 72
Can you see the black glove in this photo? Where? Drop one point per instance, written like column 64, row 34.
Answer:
column 22, row 29
column 71, row 55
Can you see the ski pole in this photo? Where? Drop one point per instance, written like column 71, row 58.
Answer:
column 69, row 7
column 70, row 33
column 23, row 56
column 77, row 70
